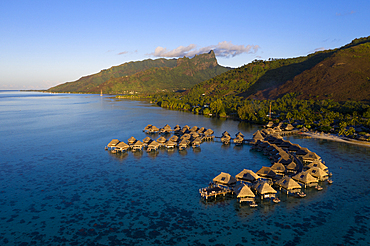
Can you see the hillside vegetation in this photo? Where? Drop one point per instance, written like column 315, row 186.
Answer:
column 327, row 90
column 148, row 76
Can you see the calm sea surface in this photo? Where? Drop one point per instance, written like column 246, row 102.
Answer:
column 58, row 186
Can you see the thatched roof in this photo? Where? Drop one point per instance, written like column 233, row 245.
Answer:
column 177, row 127
column 302, row 151
column 131, row 140
column 138, row 143
column 201, row 130
column 285, row 144
column 258, row 136
column 238, row 139
column 184, row 142
column 239, row 134
column 264, row 188
column 318, row 173
column 113, row 143
column 318, row 164
column 270, row 124
column 208, row 132
column 294, row 147
column 122, row 145
column 311, row 156
column 194, row 129
column 276, row 129
column 174, row 138
column 247, row 175
column 288, row 183
column 305, row 177
column 153, row 144
column 289, row 127
column 169, row 143
column 278, row 167
column 167, row 127
column 147, row 140
column 161, row 140
column 186, row 127
column 225, row 179
column 194, row 134
column 243, row 190
column 292, row 166
column 225, row 133
column 266, row 172
column 197, row 141
column 185, row 136
column 148, row 127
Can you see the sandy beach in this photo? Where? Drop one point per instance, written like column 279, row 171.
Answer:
column 332, row 137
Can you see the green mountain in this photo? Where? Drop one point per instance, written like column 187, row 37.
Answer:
column 340, row 74
column 148, row 76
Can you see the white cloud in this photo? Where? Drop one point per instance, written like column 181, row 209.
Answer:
column 222, row 49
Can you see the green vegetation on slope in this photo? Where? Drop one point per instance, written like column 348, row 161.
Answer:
column 148, row 76
column 277, row 82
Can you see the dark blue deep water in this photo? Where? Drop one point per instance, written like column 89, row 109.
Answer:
column 58, row 186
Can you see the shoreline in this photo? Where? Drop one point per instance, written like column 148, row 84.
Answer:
column 332, row 137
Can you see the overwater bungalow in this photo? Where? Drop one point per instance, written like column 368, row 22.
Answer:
column 265, row 190
column 166, row 129
column 161, row 140
column 183, row 144
column 170, row 144
column 278, row 168
column 225, row 133
column 257, row 136
column 174, row 138
column 112, row 144
column 146, row 141
column 121, row 146
column 131, row 141
column 239, row 140
column 214, row 191
column 310, row 157
column 196, row 143
column 153, row 146
column 290, row 186
column 245, row 194
column 247, row 175
column 277, row 129
column 292, row 167
column 147, row 128
column 270, row 124
column 306, row 179
column 138, row 145
column 194, row 129
column 208, row 134
column 201, row 130
column 224, row 179
column 318, row 173
column 266, row 172
column 194, row 135
column 318, row 164
column 289, row 127
column 186, row 136
column 302, row 152
column 294, row 147
column 225, row 139
column 285, row 144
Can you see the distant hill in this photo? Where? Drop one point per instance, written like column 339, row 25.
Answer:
column 148, row 76
column 340, row 74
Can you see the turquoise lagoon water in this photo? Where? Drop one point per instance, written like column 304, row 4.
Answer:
column 58, row 186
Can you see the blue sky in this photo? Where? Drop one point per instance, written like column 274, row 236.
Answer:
column 45, row 43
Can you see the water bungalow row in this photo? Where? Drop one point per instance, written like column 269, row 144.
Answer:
column 184, row 138
column 288, row 158
column 292, row 169
column 195, row 131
